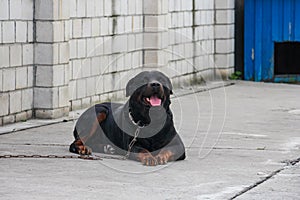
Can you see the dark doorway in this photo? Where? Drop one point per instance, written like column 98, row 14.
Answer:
column 287, row 58
column 239, row 36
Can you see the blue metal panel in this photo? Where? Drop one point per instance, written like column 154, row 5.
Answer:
column 297, row 20
column 277, row 20
column 287, row 20
column 258, row 41
column 267, row 56
column 249, row 39
column 267, row 22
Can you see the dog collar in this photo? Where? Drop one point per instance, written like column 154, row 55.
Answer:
column 135, row 123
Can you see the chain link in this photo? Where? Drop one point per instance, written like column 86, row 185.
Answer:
column 136, row 134
column 84, row 157
column 52, row 156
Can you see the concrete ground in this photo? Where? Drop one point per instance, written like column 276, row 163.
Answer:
column 242, row 142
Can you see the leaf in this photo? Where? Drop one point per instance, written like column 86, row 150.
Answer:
column 261, row 148
column 238, row 73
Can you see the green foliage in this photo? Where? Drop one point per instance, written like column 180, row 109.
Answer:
column 236, row 76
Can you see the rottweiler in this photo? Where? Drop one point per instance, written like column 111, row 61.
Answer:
column 142, row 128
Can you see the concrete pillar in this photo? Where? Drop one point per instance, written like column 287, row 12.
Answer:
column 224, row 38
column 51, row 58
column 155, row 41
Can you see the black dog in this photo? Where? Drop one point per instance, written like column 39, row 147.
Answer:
column 142, row 129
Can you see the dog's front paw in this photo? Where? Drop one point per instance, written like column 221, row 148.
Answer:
column 147, row 159
column 85, row 150
column 79, row 148
column 164, row 156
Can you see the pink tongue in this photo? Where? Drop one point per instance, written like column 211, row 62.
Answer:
column 155, row 101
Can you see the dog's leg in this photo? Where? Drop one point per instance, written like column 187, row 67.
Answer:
column 165, row 156
column 146, row 158
column 78, row 146
column 173, row 151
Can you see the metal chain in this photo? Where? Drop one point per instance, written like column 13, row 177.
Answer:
column 136, row 134
column 85, row 157
column 52, row 156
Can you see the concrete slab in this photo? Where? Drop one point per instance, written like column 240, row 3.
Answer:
column 284, row 185
column 235, row 137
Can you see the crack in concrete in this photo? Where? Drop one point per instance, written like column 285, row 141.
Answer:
column 29, row 144
column 32, row 126
column 237, row 148
column 247, row 149
column 247, row 189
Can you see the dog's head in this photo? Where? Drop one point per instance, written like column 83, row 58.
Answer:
column 148, row 90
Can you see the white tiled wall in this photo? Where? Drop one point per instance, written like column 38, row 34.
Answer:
column 105, row 43
column 16, row 60
column 201, row 38
column 224, row 35
column 74, row 53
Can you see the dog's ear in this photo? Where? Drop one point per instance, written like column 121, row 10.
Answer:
column 136, row 82
column 168, row 85
column 130, row 87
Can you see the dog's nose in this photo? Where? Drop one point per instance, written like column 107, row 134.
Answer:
column 155, row 85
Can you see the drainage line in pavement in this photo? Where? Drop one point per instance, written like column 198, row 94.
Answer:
column 35, row 126
column 29, row 144
column 205, row 89
column 237, row 148
column 244, row 149
column 288, row 163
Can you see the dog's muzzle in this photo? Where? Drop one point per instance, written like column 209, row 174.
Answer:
column 154, row 94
